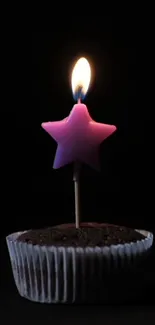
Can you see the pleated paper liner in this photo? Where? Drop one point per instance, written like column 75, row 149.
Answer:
column 50, row 274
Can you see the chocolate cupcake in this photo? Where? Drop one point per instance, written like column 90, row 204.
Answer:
column 63, row 264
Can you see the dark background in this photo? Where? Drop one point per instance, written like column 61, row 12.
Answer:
column 35, row 195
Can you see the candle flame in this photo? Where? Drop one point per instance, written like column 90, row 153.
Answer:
column 81, row 76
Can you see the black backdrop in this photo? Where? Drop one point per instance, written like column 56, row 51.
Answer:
column 33, row 194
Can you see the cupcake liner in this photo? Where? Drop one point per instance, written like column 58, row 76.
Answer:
column 50, row 274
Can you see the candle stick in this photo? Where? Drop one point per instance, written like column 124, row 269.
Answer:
column 76, row 179
column 78, row 136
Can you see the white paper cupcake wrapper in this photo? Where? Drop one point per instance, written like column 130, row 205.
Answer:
column 50, row 274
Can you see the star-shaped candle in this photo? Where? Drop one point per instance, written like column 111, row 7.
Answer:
column 78, row 136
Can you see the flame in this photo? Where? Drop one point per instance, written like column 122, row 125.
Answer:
column 81, row 76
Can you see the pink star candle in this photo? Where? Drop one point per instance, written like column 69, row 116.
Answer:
column 78, row 136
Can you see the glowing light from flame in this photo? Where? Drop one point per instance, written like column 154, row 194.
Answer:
column 81, row 76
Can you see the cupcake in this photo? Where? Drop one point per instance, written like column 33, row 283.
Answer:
column 63, row 264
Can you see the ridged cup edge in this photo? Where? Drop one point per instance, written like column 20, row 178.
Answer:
column 27, row 260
